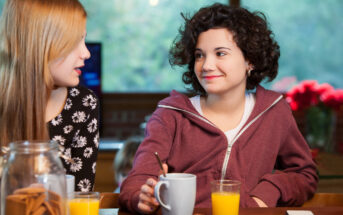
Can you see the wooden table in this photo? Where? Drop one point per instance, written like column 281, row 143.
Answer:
column 249, row 211
column 108, row 201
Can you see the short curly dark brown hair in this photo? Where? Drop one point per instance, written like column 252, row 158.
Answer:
column 250, row 32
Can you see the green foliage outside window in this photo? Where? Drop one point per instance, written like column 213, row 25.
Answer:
column 136, row 36
column 310, row 35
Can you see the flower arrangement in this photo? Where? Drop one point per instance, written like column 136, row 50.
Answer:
column 319, row 102
column 309, row 93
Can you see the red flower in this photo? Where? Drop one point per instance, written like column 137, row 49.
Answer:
column 303, row 96
column 309, row 93
column 333, row 99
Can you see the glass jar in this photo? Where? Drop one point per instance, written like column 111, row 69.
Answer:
column 33, row 179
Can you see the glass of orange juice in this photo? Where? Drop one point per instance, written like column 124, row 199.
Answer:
column 84, row 203
column 225, row 197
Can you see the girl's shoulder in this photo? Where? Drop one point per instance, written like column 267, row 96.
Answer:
column 80, row 91
column 80, row 97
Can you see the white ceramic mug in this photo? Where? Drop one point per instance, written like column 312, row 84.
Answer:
column 176, row 193
column 70, row 179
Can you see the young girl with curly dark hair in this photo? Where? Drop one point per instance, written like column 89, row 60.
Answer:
column 232, row 128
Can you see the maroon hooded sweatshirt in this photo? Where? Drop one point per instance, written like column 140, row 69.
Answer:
column 269, row 155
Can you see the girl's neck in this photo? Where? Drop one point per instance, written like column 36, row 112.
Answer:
column 218, row 107
column 224, row 103
column 55, row 103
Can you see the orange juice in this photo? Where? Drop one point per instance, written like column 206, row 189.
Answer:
column 225, row 203
column 83, row 206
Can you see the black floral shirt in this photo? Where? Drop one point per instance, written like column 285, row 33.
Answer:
column 76, row 129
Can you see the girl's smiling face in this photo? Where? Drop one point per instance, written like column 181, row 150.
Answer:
column 219, row 63
column 66, row 71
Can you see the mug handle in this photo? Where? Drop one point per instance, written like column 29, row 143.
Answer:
column 157, row 193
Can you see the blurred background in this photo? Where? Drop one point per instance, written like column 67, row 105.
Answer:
column 137, row 34
column 130, row 72
column 129, row 41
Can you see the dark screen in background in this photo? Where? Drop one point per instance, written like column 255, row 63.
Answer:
column 91, row 72
column 91, row 75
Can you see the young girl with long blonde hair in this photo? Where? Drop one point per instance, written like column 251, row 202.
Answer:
column 42, row 48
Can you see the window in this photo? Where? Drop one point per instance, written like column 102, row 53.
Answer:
column 136, row 36
column 310, row 35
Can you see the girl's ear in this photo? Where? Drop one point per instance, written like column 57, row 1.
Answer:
column 249, row 66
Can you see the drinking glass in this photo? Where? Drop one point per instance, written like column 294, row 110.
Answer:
column 225, row 197
column 84, row 203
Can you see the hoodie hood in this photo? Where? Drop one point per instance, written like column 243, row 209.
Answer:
column 264, row 98
column 178, row 100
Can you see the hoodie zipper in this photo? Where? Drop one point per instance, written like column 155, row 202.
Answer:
column 228, row 151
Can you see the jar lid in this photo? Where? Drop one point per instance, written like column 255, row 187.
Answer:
column 26, row 146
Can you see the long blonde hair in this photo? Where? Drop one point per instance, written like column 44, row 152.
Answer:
column 32, row 34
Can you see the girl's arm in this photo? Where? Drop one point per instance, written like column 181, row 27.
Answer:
column 296, row 179
column 85, row 145
column 157, row 139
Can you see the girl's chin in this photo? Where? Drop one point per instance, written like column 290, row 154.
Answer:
column 73, row 83
column 215, row 91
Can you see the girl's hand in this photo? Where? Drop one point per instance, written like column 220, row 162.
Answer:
column 147, row 202
column 260, row 203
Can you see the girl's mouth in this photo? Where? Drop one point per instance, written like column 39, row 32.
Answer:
column 210, row 77
column 78, row 71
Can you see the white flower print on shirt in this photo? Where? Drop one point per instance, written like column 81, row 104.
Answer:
column 76, row 134
column 61, row 140
column 94, row 167
column 61, row 149
column 67, row 153
column 89, row 101
column 56, row 121
column 88, row 152
column 96, row 140
column 74, row 92
column 68, row 104
column 79, row 141
column 84, row 185
column 92, row 126
column 77, row 165
column 79, row 116
column 67, row 129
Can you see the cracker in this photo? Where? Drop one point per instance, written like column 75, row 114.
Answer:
column 49, row 208
column 54, row 196
column 57, row 206
column 29, row 205
column 41, row 210
column 13, row 206
column 17, row 197
column 38, row 201
column 29, row 190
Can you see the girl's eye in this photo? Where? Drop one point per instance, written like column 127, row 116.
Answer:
column 198, row 55
column 219, row 54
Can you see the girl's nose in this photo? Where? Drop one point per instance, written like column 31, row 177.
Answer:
column 209, row 64
column 85, row 54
